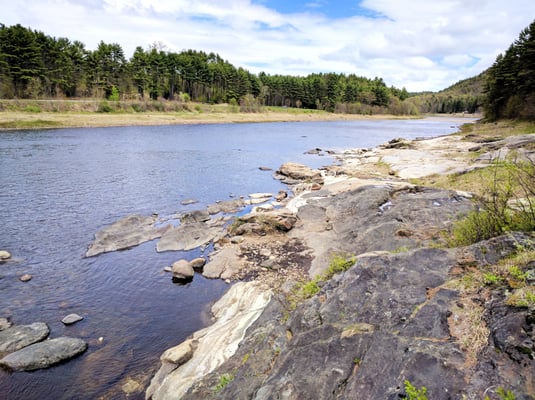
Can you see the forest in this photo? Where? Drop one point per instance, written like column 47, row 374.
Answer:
column 34, row 65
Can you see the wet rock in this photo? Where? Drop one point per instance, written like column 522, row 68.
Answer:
column 4, row 255
column 265, row 169
column 25, row 278
column 293, row 173
column 125, row 233
column 44, row 354
column 72, row 319
column 182, row 269
column 19, row 336
column 4, row 323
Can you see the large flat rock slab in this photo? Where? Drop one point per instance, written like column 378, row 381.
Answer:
column 128, row 232
column 19, row 336
column 44, row 354
column 188, row 237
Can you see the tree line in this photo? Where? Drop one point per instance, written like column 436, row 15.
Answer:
column 510, row 85
column 34, row 65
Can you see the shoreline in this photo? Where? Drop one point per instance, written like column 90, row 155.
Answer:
column 20, row 120
column 411, row 241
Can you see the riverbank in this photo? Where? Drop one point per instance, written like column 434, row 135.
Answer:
column 402, row 305
column 33, row 114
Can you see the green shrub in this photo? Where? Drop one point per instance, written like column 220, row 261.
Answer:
column 32, row 109
column 104, row 107
column 413, row 393
column 507, row 204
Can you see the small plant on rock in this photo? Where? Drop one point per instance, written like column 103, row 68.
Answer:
column 414, row 393
column 224, row 380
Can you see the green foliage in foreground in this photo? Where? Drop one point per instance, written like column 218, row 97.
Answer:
column 414, row 393
column 507, row 204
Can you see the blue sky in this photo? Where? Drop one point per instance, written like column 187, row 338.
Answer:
column 416, row 44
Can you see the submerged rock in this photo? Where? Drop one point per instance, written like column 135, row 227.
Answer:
column 44, row 354
column 19, row 336
column 25, row 278
column 72, row 319
column 125, row 233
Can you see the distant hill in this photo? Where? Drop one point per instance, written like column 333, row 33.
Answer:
column 465, row 96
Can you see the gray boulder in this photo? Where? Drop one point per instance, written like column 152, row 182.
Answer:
column 44, row 354
column 188, row 237
column 19, row 336
column 182, row 269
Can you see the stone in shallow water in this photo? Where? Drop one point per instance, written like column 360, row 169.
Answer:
column 25, row 278
column 71, row 319
column 44, row 354
column 17, row 337
column 4, row 255
column 4, row 324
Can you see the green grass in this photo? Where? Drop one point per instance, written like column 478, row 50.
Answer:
column 224, row 380
column 35, row 124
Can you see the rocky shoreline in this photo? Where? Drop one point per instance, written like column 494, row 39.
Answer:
column 397, row 315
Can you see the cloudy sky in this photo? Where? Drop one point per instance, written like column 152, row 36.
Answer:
column 417, row 44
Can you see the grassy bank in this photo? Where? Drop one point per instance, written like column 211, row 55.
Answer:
column 31, row 114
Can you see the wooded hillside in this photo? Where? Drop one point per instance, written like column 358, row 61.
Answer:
column 35, row 65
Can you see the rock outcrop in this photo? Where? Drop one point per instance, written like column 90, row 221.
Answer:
column 209, row 348
column 294, row 173
column 400, row 313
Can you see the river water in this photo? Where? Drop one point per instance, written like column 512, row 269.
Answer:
column 59, row 187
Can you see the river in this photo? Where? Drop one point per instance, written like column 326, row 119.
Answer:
column 59, row 187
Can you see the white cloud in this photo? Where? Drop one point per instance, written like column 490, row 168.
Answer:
column 418, row 44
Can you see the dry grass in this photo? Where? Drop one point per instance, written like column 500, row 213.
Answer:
column 54, row 114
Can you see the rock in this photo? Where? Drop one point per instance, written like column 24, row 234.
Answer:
column 316, row 151
column 233, row 313
column 281, row 195
column 125, row 233
column 293, row 173
column 198, row 263
column 182, row 269
column 188, row 237
column 188, row 202
column 168, row 269
column 223, row 263
column 261, row 196
column 44, row 354
column 263, row 208
column 4, row 255
column 265, row 169
column 195, row 216
column 180, row 354
column 228, row 207
column 4, row 324
column 25, row 278
column 71, row 319
column 19, row 336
